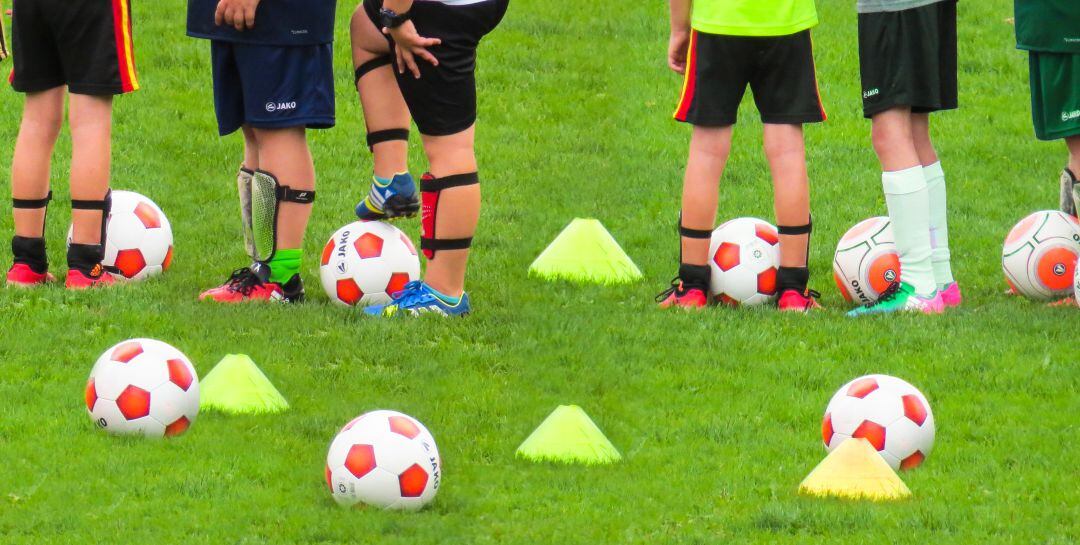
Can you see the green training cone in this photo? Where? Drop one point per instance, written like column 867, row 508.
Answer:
column 236, row 385
column 585, row 252
column 568, row 435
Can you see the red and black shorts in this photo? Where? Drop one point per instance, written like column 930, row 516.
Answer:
column 83, row 44
column 778, row 69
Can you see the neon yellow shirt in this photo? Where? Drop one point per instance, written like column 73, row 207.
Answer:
column 753, row 17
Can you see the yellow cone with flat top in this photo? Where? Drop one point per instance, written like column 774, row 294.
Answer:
column 855, row 470
column 585, row 252
column 236, row 385
column 568, row 435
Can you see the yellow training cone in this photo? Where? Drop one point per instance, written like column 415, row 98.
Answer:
column 856, row 471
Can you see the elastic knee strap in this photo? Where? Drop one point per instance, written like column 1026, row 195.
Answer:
column 299, row 196
column 31, row 204
column 430, row 191
column 795, row 229
column 694, row 233
column 387, row 135
column 377, row 62
column 104, row 205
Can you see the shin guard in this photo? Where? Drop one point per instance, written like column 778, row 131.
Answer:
column 687, row 232
column 795, row 278
column 105, row 206
column 431, row 189
column 386, row 135
column 265, row 198
column 798, row 230
column 27, row 250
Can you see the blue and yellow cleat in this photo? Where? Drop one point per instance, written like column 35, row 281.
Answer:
column 389, row 199
column 418, row 298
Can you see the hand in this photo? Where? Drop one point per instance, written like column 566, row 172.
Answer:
column 239, row 14
column 678, row 45
column 410, row 45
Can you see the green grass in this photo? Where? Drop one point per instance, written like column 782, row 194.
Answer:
column 717, row 413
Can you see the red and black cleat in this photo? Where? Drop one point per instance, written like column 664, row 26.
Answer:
column 21, row 275
column 796, row 301
column 680, row 295
column 94, row 278
column 253, row 284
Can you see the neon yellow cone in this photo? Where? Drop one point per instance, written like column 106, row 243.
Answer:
column 585, row 252
column 236, row 385
column 568, row 435
column 855, row 470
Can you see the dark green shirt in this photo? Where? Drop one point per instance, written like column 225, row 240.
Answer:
column 1048, row 25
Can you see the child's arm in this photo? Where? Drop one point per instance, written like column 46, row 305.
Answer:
column 680, row 35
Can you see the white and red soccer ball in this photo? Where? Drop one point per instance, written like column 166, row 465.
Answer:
column 139, row 238
column 143, row 387
column 1040, row 254
column 366, row 262
column 892, row 415
column 385, row 459
column 743, row 257
column 866, row 261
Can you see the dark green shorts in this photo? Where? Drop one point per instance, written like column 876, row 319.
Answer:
column 1055, row 94
column 908, row 59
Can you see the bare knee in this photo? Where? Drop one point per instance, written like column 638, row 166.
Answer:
column 782, row 141
column 711, row 142
column 368, row 42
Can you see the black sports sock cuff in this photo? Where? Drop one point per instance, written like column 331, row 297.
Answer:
column 30, row 252
column 792, row 278
column 694, row 275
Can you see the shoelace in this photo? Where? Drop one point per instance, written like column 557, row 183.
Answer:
column 675, row 285
column 888, row 295
column 412, row 294
column 243, row 281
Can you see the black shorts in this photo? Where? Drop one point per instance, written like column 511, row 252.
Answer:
column 908, row 59
column 778, row 69
column 443, row 100
column 84, row 44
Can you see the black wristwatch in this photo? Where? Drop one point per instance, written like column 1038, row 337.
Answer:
column 393, row 19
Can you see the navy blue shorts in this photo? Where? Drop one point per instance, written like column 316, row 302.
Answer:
column 272, row 87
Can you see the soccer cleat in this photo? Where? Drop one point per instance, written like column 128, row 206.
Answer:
column 253, row 284
column 20, row 275
column 395, row 199
column 1070, row 193
column 950, row 296
column 900, row 297
column 681, row 296
column 418, row 298
column 796, row 301
column 97, row 277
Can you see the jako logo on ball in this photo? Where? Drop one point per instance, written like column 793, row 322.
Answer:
column 364, row 263
column 866, row 262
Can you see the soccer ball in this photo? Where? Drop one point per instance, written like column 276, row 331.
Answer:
column 745, row 255
column 143, row 387
column 386, row 459
column 1040, row 253
column 365, row 262
column 891, row 414
column 866, row 262
column 1076, row 286
column 139, row 239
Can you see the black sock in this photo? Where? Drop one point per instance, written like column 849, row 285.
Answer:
column 792, row 278
column 85, row 257
column 30, row 252
column 694, row 276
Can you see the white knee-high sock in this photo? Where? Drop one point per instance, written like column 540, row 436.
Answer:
column 909, row 209
column 939, row 225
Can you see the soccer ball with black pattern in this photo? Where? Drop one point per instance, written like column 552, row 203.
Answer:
column 1040, row 254
column 866, row 262
column 385, row 459
column 366, row 262
column 143, row 387
column 892, row 415
column 743, row 257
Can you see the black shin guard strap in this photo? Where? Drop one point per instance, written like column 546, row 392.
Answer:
column 299, row 196
column 694, row 233
column 431, row 189
column 796, row 229
column 377, row 62
column 386, row 135
column 31, row 204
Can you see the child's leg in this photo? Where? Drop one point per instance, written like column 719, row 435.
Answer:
column 43, row 116
column 1073, row 142
column 91, row 153
column 284, row 154
column 786, row 153
column 935, row 185
column 906, row 195
column 251, row 149
column 709, row 151
column 457, row 209
column 385, row 112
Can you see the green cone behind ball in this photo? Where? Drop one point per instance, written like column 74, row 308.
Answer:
column 236, row 385
column 585, row 252
column 568, row 435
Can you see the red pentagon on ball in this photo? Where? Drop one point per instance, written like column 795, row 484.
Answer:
column 914, row 409
column 727, row 256
column 413, row 481
column 91, row 395
column 178, row 427
column 348, row 291
column 147, row 215
column 179, row 374
column 766, row 281
column 404, row 426
column 327, row 251
column 827, row 429
column 397, row 283
column 767, row 233
column 130, row 262
column 368, row 245
column 913, row 461
column 126, row 352
column 133, row 402
column 360, row 460
column 862, row 387
column 872, row 432
column 725, row 299
column 168, row 260
column 329, row 480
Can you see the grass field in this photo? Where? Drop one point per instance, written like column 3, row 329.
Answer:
column 717, row 413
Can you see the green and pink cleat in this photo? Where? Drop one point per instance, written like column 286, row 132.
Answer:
column 901, row 297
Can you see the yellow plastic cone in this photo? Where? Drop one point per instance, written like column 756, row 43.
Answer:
column 855, row 470
column 568, row 435
column 236, row 385
column 585, row 252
